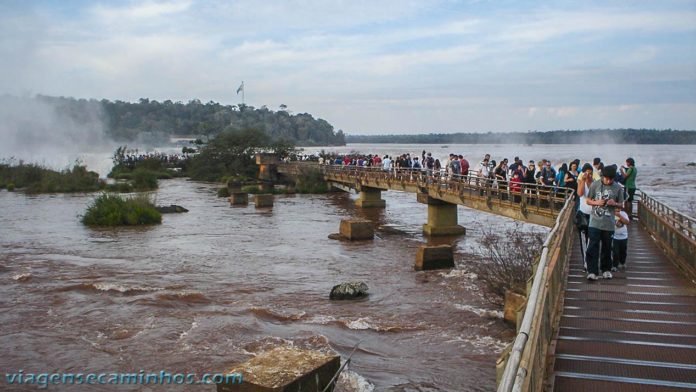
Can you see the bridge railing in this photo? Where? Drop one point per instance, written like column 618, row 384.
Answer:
column 674, row 231
column 532, row 197
column 525, row 369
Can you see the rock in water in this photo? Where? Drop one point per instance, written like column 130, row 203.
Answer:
column 349, row 290
column 171, row 209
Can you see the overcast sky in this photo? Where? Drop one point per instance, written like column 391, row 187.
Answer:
column 371, row 66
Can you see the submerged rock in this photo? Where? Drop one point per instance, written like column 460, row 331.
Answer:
column 171, row 209
column 349, row 290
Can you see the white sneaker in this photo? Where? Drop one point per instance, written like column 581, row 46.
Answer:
column 591, row 277
column 614, row 269
column 622, row 267
column 607, row 275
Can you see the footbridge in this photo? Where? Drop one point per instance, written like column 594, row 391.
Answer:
column 635, row 332
column 442, row 194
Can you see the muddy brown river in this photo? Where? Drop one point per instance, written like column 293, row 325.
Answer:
column 210, row 288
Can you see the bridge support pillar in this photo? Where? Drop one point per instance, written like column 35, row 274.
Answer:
column 268, row 167
column 442, row 217
column 370, row 198
column 237, row 197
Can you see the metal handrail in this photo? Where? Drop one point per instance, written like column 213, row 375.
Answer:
column 678, row 220
column 532, row 195
column 514, row 375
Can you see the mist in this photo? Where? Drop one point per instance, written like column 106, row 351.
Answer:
column 40, row 130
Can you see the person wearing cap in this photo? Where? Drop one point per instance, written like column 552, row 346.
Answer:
column 604, row 196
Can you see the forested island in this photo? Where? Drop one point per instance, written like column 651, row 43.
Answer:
column 155, row 122
column 592, row 136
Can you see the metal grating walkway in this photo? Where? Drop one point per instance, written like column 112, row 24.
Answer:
column 636, row 332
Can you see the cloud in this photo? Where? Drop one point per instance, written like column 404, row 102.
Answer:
column 333, row 58
column 139, row 10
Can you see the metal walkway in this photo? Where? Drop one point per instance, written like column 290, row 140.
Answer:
column 636, row 332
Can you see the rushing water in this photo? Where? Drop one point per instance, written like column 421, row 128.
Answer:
column 209, row 288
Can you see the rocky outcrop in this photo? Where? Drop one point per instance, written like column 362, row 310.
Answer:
column 349, row 290
column 171, row 209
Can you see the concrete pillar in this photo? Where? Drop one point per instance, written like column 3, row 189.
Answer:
column 263, row 200
column 357, row 229
column 434, row 257
column 286, row 369
column 370, row 198
column 266, row 187
column 442, row 217
column 513, row 304
column 268, row 166
column 238, row 199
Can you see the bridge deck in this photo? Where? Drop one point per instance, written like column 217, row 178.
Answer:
column 636, row 332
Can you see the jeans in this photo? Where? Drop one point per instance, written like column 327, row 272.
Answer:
column 619, row 252
column 600, row 242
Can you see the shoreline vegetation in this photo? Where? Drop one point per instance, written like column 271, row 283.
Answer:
column 610, row 136
column 33, row 178
column 109, row 210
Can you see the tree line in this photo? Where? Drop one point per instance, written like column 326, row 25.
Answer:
column 154, row 121
column 597, row 136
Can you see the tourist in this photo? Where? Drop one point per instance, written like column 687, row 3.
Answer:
column 547, row 175
column 463, row 165
column 597, row 165
column 619, row 243
column 483, row 168
column 570, row 180
column 629, row 174
column 605, row 196
column 561, row 175
column 582, row 215
column 529, row 174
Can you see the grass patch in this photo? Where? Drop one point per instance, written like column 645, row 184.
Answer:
column 114, row 210
column 35, row 178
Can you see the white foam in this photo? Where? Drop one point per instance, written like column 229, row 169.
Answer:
column 459, row 274
column 486, row 313
column 184, row 334
column 320, row 319
column 123, row 289
column 22, row 277
column 350, row 381
column 360, row 324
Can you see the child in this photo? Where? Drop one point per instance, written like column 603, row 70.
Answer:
column 620, row 241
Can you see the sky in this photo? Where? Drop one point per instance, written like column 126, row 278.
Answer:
column 370, row 66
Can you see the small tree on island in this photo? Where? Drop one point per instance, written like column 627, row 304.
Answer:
column 231, row 154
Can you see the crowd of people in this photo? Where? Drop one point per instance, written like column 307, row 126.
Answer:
column 131, row 159
column 603, row 193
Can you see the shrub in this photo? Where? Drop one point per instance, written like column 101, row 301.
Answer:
column 10, row 187
column 38, row 179
column 223, row 192
column 144, row 180
column 113, row 210
column 311, row 180
column 505, row 260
